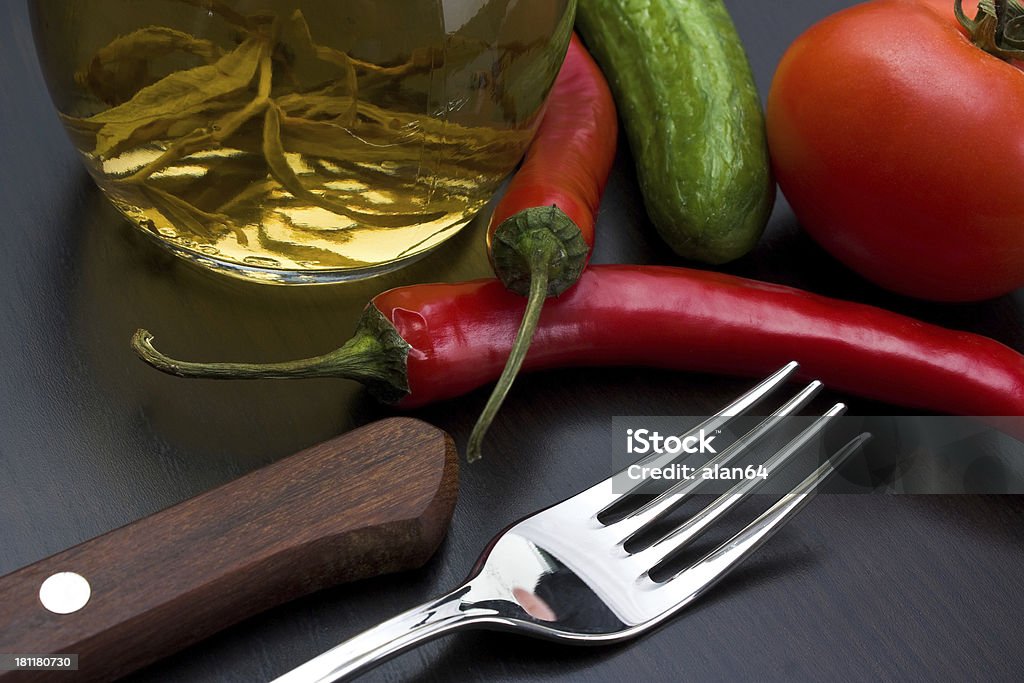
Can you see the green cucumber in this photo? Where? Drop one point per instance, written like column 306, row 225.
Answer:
column 693, row 119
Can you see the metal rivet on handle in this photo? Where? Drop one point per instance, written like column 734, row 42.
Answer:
column 65, row 592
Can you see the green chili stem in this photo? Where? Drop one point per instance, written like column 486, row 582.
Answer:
column 537, row 252
column 326, row 365
column 375, row 356
column 539, row 266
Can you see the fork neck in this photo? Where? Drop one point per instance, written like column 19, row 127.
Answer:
column 438, row 617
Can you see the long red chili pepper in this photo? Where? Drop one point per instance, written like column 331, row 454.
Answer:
column 542, row 231
column 425, row 343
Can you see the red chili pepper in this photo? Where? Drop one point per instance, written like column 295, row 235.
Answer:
column 425, row 343
column 542, row 231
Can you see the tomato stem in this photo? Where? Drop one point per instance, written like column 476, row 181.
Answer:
column 998, row 28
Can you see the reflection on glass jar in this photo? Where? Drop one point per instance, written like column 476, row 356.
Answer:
column 301, row 140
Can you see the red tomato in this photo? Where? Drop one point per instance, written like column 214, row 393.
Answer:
column 900, row 147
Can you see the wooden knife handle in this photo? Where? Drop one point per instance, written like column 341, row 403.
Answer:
column 372, row 501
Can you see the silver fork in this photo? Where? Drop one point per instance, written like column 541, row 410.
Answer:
column 595, row 590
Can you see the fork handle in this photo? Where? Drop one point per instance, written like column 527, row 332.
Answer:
column 359, row 654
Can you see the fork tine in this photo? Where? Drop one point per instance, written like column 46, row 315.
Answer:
column 668, row 500
column 717, row 421
column 714, row 566
column 679, row 538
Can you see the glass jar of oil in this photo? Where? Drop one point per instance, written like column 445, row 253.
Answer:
column 301, row 141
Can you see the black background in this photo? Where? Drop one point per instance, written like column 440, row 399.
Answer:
column 857, row 587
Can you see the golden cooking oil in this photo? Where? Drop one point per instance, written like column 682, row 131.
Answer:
column 301, row 140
